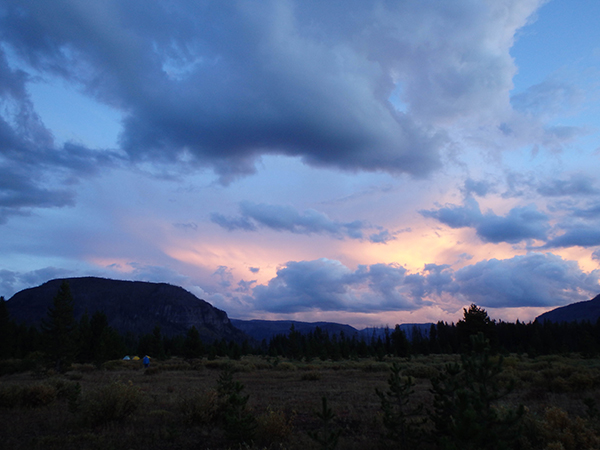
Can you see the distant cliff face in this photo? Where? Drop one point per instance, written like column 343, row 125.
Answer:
column 575, row 312
column 131, row 306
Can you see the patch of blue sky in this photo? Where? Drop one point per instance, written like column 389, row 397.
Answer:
column 566, row 33
column 73, row 116
column 396, row 99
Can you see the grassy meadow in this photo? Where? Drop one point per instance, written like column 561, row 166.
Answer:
column 182, row 404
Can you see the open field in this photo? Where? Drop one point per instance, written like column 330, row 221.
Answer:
column 175, row 405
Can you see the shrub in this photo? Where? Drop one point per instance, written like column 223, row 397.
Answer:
column 556, row 430
column 581, row 381
column 377, row 367
column 273, row 427
column 310, row 376
column 83, row 368
column 421, row 371
column 10, row 396
column 199, row 408
column 10, row 366
column 37, row 395
column 152, row 370
column 176, row 365
column 286, row 367
column 113, row 402
column 117, row 364
column 69, row 390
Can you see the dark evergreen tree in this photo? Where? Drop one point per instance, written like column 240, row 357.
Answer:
column 84, row 339
column 400, row 343
column 240, row 424
column 466, row 413
column 7, row 332
column 475, row 321
column 110, row 346
column 152, row 344
column 59, row 329
column 193, row 346
column 400, row 417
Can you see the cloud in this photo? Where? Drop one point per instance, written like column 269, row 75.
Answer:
column 328, row 285
column 591, row 211
column 547, row 98
column 580, row 236
column 33, row 172
column 478, row 187
column 521, row 223
column 535, row 279
column 575, row 185
column 232, row 223
column 193, row 226
column 287, row 218
column 295, row 78
column 12, row 282
column 224, row 275
column 382, row 237
column 531, row 280
column 245, row 286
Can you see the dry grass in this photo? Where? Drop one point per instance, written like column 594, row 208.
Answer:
column 173, row 406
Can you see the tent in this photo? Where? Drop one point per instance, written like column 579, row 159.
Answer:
column 136, row 358
column 127, row 358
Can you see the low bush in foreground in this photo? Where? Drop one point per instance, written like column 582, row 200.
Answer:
column 110, row 403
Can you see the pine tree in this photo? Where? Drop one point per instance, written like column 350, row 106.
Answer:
column 466, row 413
column 60, row 327
column 192, row 346
column 7, row 332
column 475, row 321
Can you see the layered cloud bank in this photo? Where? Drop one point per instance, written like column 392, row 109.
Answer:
column 540, row 280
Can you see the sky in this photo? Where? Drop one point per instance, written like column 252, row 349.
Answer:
column 361, row 162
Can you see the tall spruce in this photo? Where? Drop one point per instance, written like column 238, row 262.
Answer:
column 60, row 327
column 466, row 412
column 475, row 321
column 7, row 331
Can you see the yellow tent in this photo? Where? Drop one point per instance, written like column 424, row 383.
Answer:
column 136, row 358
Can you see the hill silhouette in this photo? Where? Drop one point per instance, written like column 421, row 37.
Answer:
column 130, row 306
column 588, row 310
column 266, row 329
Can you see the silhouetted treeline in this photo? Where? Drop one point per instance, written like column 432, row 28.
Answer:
column 61, row 340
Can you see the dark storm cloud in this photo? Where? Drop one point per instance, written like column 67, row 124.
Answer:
column 535, row 279
column 327, row 285
column 287, row 218
column 521, row 223
column 218, row 84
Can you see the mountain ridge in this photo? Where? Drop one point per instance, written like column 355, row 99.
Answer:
column 130, row 306
column 587, row 310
